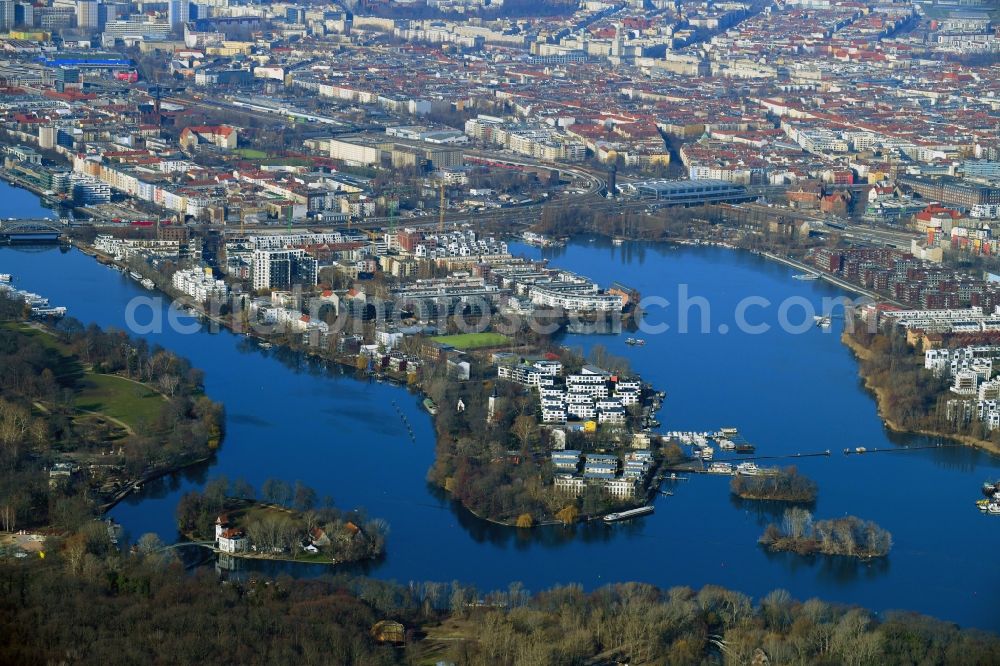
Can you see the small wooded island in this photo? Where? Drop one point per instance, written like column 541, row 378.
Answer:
column 286, row 523
column 785, row 485
column 849, row 536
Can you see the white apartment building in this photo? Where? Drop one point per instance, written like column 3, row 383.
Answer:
column 200, row 284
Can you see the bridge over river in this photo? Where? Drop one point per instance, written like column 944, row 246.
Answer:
column 38, row 230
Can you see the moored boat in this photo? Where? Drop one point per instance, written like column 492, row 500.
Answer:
column 631, row 513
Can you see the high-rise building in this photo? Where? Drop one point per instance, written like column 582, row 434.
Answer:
column 6, row 14
column 135, row 27
column 178, row 13
column 88, row 15
column 54, row 18
column 24, row 14
column 280, row 269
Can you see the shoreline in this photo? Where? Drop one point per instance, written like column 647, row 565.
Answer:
column 857, row 349
column 228, row 325
column 131, row 488
column 862, row 352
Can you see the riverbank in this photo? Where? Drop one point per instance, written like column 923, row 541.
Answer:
column 136, row 485
column 419, row 382
column 881, row 399
column 837, row 282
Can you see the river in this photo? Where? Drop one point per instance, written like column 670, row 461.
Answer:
column 292, row 419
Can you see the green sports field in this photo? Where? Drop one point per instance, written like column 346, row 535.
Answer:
column 473, row 340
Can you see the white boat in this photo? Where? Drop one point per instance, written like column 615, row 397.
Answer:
column 993, row 508
column 147, row 283
column 6, row 277
column 706, row 453
column 726, row 444
column 747, row 468
column 805, row 276
column 720, row 468
column 617, row 241
column 135, row 276
column 58, row 311
column 823, row 321
column 631, row 513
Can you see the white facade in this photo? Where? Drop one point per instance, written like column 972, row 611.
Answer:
column 200, row 285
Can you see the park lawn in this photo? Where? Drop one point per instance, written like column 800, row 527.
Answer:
column 251, row 153
column 473, row 340
column 68, row 367
column 119, row 398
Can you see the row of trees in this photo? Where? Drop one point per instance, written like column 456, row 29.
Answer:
column 90, row 604
column 849, row 536
column 909, row 395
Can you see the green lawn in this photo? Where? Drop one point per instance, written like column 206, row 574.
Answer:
column 251, row 153
column 119, row 398
column 473, row 340
column 68, row 366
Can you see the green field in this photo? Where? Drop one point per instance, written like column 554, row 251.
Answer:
column 251, row 153
column 473, row 340
column 68, row 366
column 121, row 399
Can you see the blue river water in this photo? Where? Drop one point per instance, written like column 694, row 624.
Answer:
column 788, row 393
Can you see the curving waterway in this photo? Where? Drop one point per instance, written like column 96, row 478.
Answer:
column 788, row 393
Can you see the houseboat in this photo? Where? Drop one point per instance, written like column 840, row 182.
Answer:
column 720, row 468
column 748, row 469
column 628, row 515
